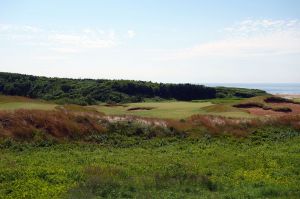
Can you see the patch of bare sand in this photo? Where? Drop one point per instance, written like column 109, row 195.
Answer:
column 261, row 112
column 289, row 96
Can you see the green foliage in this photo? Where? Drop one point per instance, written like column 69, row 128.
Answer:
column 88, row 91
column 264, row 165
column 223, row 92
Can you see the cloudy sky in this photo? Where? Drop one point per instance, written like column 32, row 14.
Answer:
column 197, row 41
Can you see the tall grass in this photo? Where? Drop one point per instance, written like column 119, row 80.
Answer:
column 91, row 126
column 24, row 124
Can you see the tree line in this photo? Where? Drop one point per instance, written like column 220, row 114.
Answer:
column 91, row 91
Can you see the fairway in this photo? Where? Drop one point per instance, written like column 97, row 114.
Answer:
column 174, row 110
column 9, row 103
column 26, row 105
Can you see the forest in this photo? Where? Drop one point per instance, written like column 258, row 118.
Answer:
column 92, row 91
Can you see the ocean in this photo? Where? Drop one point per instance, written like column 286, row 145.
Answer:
column 273, row 88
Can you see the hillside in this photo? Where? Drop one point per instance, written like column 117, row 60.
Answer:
column 91, row 91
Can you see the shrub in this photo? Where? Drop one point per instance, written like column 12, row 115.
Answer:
column 35, row 124
column 282, row 109
column 249, row 105
column 275, row 99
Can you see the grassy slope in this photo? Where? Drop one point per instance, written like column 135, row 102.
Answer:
column 16, row 102
column 165, row 109
column 256, row 167
column 178, row 110
column 161, row 168
column 170, row 109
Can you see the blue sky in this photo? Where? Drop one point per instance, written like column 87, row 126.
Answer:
column 164, row 41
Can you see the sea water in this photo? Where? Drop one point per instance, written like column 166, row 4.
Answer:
column 273, row 88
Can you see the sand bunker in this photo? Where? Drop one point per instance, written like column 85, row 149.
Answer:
column 278, row 109
column 140, row 108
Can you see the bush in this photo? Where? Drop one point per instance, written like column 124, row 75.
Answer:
column 282, row 109
column 275, row 99
column 249, row 105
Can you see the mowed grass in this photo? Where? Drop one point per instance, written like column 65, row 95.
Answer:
column 17, row 102
column 178, row 110
column 26, row 105
column 172, row 109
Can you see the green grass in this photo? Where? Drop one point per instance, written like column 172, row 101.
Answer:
column 17, row 102
column 26, row 105
column 172, row 109
column 179, row 110
column 266, row 165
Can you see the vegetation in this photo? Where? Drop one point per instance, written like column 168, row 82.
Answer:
column 209, row 148
column 267, row 103
column 78, row 152
column 275, row 99
column 166, row 109
column 228, row 92
column 263, row 165
column 89, row 91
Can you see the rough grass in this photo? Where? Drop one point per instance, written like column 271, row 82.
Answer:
column 265, row 165
column 37, row 124
column 269, row 104
column 134, row 157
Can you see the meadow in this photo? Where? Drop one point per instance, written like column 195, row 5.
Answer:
column 166, row 149
column 265, row 165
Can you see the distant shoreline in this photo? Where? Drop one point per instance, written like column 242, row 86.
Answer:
column 282, row 89
column 288, row 96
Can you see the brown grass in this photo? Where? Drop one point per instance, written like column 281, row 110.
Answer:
column 24, row 124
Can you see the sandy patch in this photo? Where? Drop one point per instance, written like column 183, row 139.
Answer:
column 259, row 111
column 289, row 96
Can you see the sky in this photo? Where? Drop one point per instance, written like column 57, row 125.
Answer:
column 176, row 41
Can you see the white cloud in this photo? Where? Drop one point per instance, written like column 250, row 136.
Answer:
column 61, row 41
column 82, row 41
column 249, row 38
column 10, row 28
column 131, row 34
